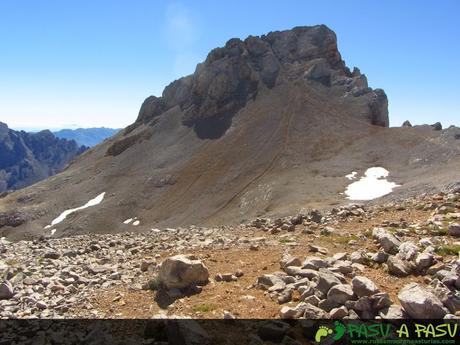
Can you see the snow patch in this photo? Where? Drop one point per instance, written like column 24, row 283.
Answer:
column 93, row 202
column 372, row 185
column 352, row 175
column 53, row 231
column 134, row 221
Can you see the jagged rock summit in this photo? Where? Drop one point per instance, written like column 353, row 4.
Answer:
column 236, row 73
column 266, row 126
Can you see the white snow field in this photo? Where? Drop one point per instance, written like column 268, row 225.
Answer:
column 93, row 202
column 372, row 185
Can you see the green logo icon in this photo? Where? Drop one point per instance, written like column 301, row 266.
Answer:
column 324, row 331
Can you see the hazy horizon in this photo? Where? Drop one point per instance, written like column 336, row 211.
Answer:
column 92, row 64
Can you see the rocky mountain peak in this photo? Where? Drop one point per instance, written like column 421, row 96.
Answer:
column 233, row 74
column 26, row 158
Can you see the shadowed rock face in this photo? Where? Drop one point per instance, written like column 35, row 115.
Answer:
column 234, row 74
column 26, row 158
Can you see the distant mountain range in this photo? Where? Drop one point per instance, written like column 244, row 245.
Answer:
column 86, row 136
column 26, row 158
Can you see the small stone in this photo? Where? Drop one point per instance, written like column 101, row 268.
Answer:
column 6, row 290
column 317, row 249
column 228, row 315
column 454, row 229
column 145, row 264
column 225, row 277
column 41, row 305
column 380, row 257
column 340, row 257
column 313, row 299
column 268, row 280
column 327, row 231
column 239, row 273
column 115, row 276
column 279, row 286
column 52, row 255
column 29, row 281
column 393, row 312
column 285, row 296
column 344, row 267
column 95, row 247
column 287, row 261
column 312, row 312
column 314, row 263
column 359, row 257
column 338, row 313
column 247, row 298
column 381, row 300
column 97, row 269
column 293, row 312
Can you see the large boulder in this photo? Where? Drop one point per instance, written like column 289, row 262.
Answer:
column 454, row 229
column 182, row 271
column 387, row 240
column 363, row 286
column 326, row 280
column 424, row 260
column 408, row 251
column 421, row 303
column 340, row 293
column 398, row 267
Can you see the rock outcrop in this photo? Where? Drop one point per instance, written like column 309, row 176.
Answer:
column 235, row 73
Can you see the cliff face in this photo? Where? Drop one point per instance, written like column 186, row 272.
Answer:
column 234, row 74
column 26, row 158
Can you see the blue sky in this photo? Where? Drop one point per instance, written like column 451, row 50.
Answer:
column 91, row 63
